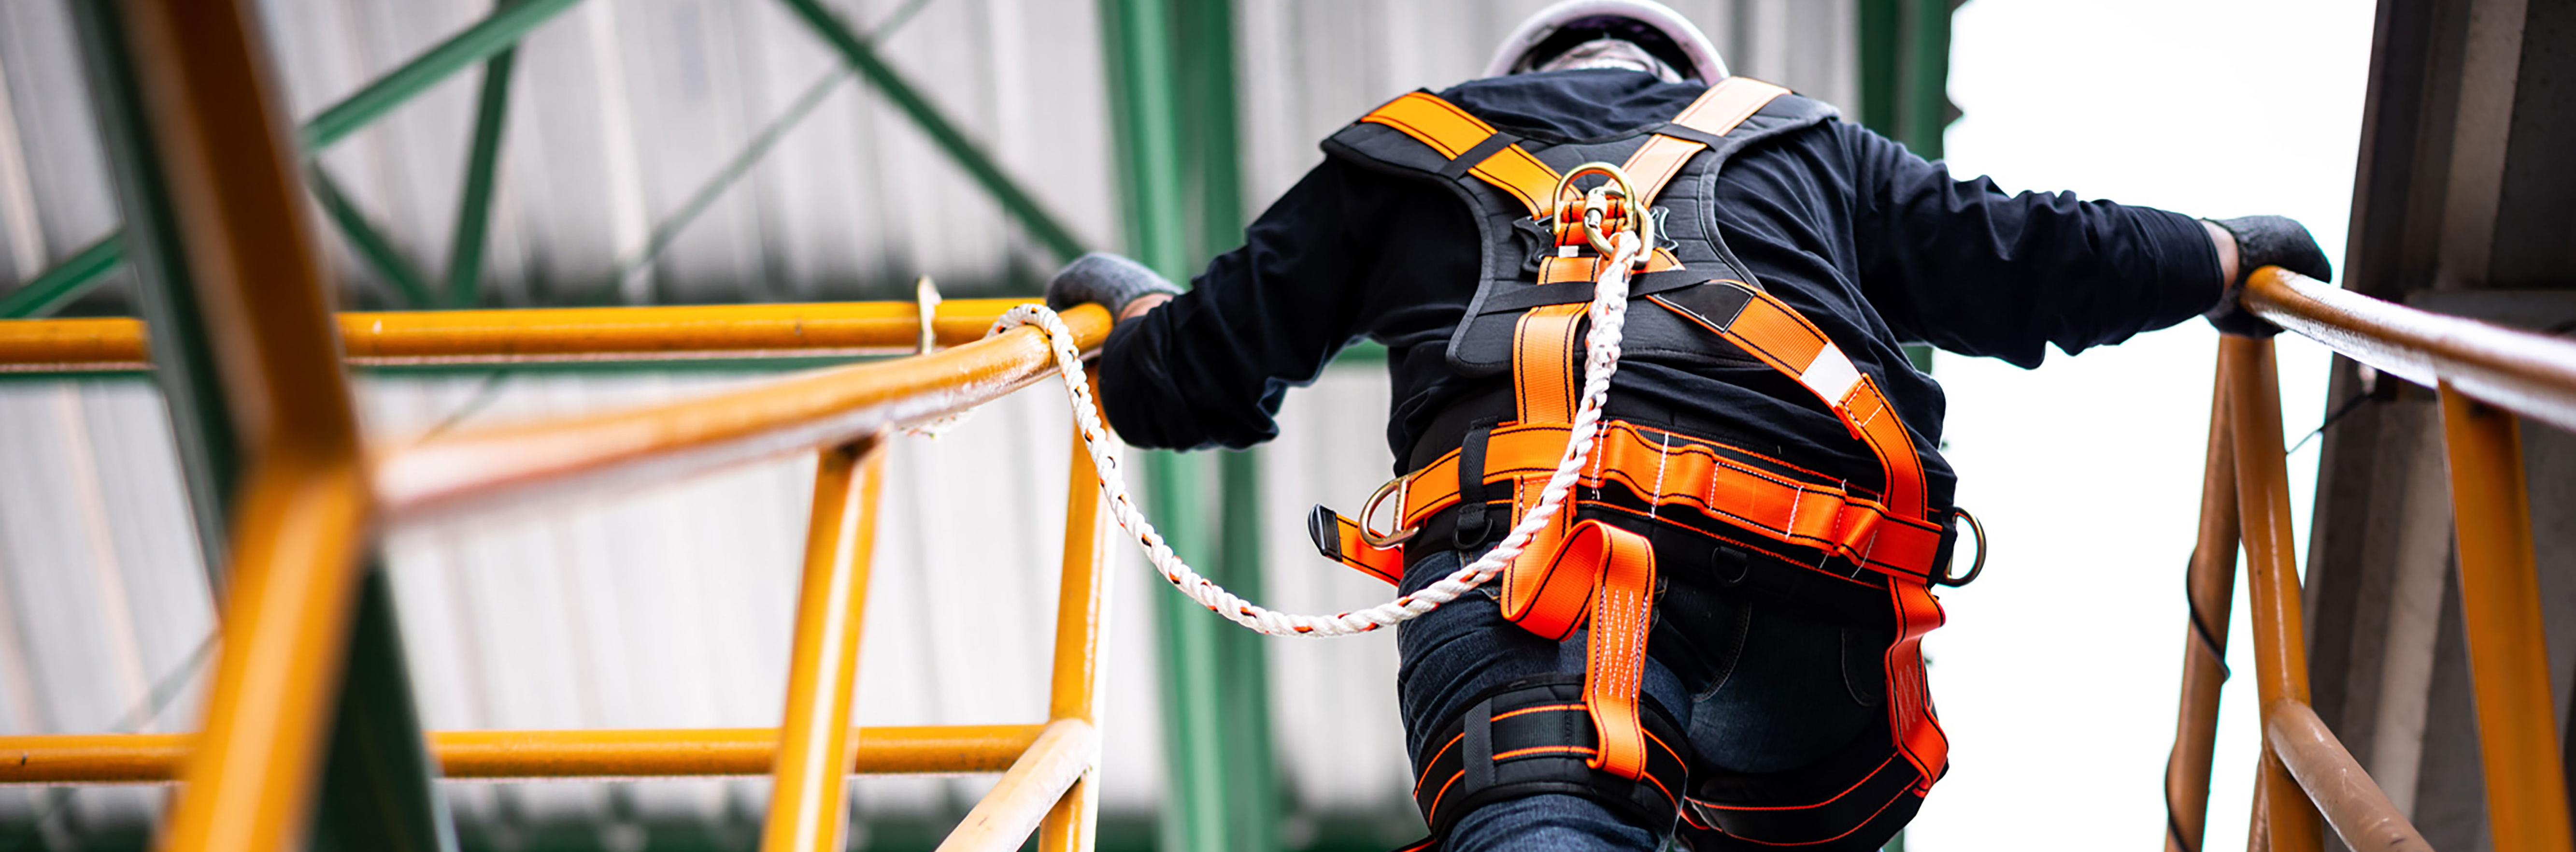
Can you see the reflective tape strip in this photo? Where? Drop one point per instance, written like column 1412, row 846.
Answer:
column 1831, row 375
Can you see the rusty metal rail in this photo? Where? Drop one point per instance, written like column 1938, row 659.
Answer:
column 2485, row 375
column 2529, row 374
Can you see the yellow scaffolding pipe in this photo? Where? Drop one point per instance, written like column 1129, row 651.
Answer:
column 603, row 753
column 304, row 511
column 2500, row 614
column 2211, row 587
column 492, row 466
column 808, row 799
column 549, row 335
column 1081, row 609
column 1033, row 787
column 2263, row 498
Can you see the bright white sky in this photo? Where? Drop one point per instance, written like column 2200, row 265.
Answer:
column 2059, row 673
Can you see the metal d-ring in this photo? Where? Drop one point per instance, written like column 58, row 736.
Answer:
column 1974, row 568
column 1597, row 200
column 1368, row 511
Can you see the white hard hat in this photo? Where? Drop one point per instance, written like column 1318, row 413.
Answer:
column 1651, row 25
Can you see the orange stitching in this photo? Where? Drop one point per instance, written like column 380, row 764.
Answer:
column 1544, row 708
column 1525, row 752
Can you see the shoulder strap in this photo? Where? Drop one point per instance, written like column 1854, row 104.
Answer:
column 1715, row 114
column 1472, row 146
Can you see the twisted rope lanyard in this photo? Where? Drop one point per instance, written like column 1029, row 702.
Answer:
column 1608, row 311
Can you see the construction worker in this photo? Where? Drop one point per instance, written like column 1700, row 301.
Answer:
column 1766, row 481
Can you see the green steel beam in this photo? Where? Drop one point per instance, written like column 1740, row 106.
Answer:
column 1203, row 49
column 370, row 241
column 1014, row 200
column 65, row 282
column 377, row 788
column 1191, row 663
column 1879, row 24
column 377, row 792
column 183, row 356
column 1905, row 84
column 482, row 164
column 1927, row 109
column 76, row 276
column 1905, row 71
column 1140, row 60
column 495, row 33
column 1173, row 88
column 1142, row 93
column 1243, row 672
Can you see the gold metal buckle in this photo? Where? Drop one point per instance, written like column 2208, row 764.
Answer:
column 1397, row 487
column 1596, row 207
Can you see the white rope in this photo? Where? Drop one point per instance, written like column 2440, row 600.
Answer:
column 1601, row 359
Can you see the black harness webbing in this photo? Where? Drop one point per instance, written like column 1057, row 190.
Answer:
column 1533, row 736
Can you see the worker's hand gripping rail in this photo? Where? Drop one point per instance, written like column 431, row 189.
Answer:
column 1625, row 248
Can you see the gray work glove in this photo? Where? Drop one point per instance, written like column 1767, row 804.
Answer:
column 1104, row 279
column 2265, row 241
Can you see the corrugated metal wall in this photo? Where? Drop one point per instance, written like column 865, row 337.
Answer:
column 670, row 607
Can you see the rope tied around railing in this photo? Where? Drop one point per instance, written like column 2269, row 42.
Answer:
column 1601, row 360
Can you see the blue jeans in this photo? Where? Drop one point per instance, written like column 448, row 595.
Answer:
column 1760, row 688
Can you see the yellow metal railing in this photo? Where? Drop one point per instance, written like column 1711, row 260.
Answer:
column 537, row 335
column 2486, row 375
column 314, row 494
column 844, row 413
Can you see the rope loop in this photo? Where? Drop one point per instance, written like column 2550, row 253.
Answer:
column 1609, row 310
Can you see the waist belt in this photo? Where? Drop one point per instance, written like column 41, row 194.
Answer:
column 1682, row 472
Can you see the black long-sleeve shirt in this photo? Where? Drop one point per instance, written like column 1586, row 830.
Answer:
column 1872, row 243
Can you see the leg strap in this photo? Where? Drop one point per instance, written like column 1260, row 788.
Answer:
column 1534, row 736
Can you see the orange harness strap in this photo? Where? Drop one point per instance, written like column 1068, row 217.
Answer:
column 1545, row 382
column 1785, row 339
column 1455, row 133
column 1781, row 337
column 1622, row 567
column 1697, row 476
column 1716, row 113
column 1909, row 697
column 1574, row 574
column 1339, row 538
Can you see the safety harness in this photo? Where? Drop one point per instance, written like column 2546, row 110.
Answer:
column 1697, row 304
